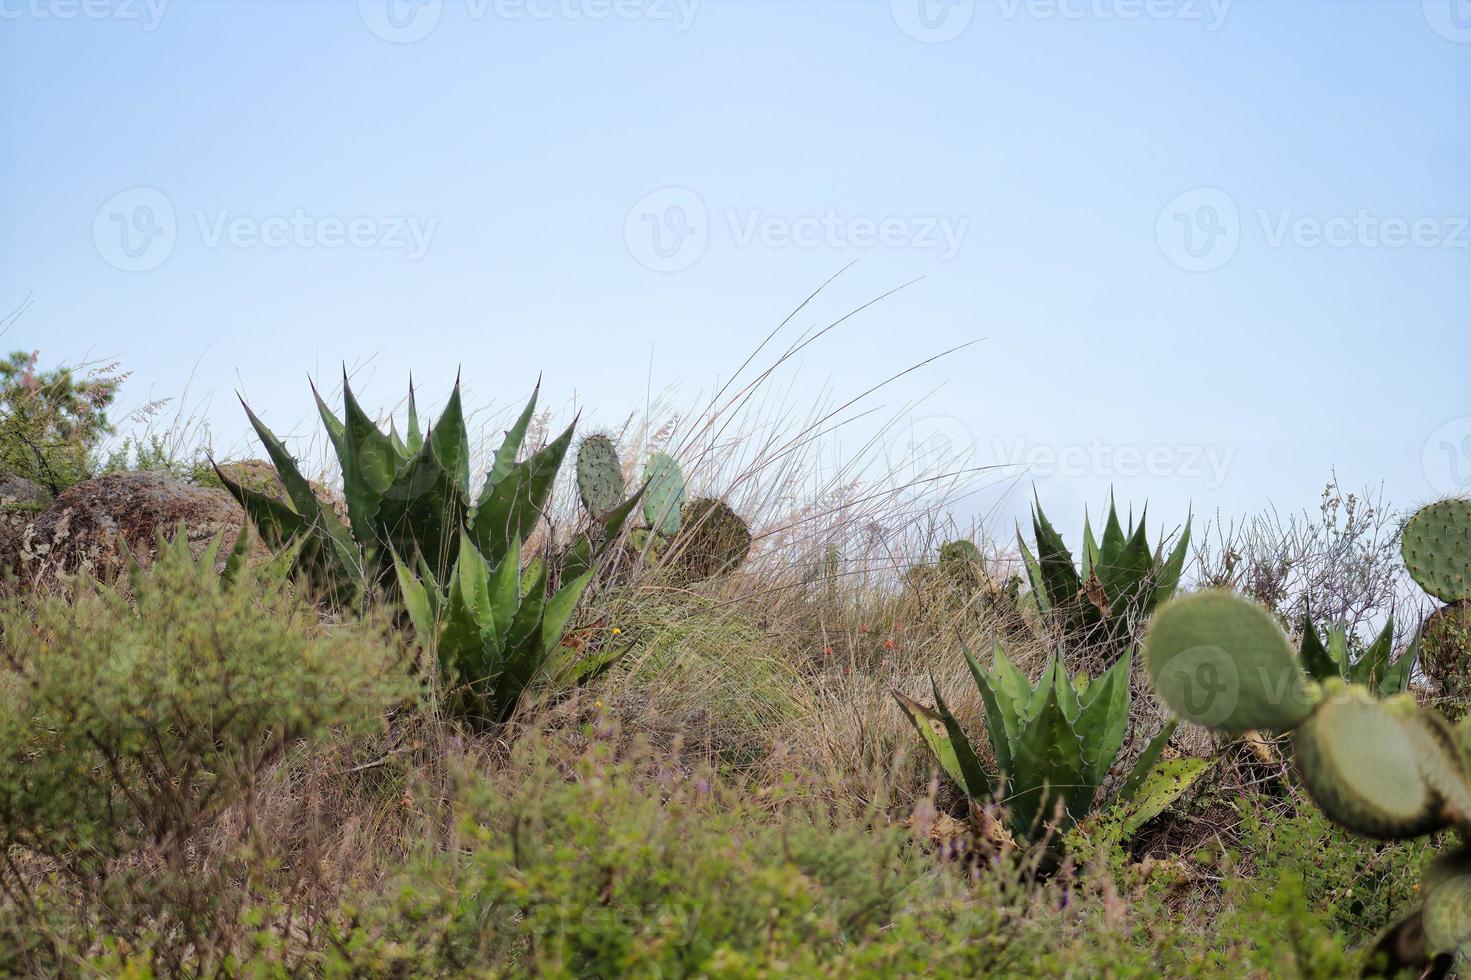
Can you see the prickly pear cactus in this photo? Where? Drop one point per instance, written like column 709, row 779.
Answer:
column 714, row 540
column 1437, row 549
column 599, row 475
column 1383, row 768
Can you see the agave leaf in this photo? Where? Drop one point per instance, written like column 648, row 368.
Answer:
column 369, row 451
column 977, row 784
column 1059, row 575
column 1067, row 695
column 462, row 650
column 1374, row 664
column 414, row 437
column 1009, row 682
column 276, row 522
column 1163, row 785
column 1145, row 763
column 1314, row 656
column 423, row 510
column 1048, row 768
column 510, row 447
column 452, row 442
column 1168, row 576
column 303, row 500
column 510, row 508
column 558, row 612
column 1397, row 676
column 1090, row 547
column 1104, row 719
column 1126, row 577
column 1113, row 536
column 505, row 590
column 416, row 601
column 473, row 575
column 936, row 737
column 1034, row 575
column 1338, row 649
column 400, row 449
column 1001, row 715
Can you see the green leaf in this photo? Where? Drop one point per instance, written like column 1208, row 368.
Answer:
column 1090, row 548
column 1374, row 664
column 558, row 612
column 423, row 510
column 452, row 442
column 977, row 784
column 1163, row 785
column 1059, row 575
column 1103, row 721
column 510, row 447
column 1113, row 535
column 510, row 508
column 1034, row 575
column 1048, row 768
column 1001, row 714
column 416, row 601
column 1313, row 655
column 1168, row 576
column 936, row 736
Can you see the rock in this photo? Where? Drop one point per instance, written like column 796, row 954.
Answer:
column 18, row 493
column 92, row 526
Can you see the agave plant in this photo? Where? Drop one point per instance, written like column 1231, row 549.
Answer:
column 1119, row 582
column 410, row 507
column 1384, row 768
column 495, row 632
column 1372, row 669
column 1054, row 742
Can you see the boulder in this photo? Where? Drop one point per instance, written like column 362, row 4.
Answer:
column 92, row 526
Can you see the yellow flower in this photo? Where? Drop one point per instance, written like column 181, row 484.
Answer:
column 616, row 631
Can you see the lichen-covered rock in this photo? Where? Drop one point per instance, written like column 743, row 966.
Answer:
column 92, row 526
column 18, row 493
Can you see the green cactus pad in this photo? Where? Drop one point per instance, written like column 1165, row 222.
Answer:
column 1447, row 890
column 714, row 539
column 1374, row 766
column 1437, row 549
column 664, row 496
column 599, row 475
column 1220, row 661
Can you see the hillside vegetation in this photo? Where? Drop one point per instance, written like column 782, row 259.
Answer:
column 605, row 704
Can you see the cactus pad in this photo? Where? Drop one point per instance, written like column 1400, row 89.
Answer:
column 1445, row 656
column 664, row 494
column 1437, row 549
column 1223, row 662
column 1378, row 768
column 714, row 540
column 1447, row 891
column 599, row 475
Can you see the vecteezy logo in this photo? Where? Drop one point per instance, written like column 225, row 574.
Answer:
column 400, row 21
column 135, row 230
column 1446, row 458
column 933, row 21
column 668, row 230
column 1205, row 681
column 1199, row 230
column 1451, row 19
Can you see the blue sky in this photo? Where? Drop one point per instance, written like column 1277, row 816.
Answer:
column 1211, row 251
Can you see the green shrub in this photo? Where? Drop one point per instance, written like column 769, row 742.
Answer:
column 51, row 422
column 131, row 717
